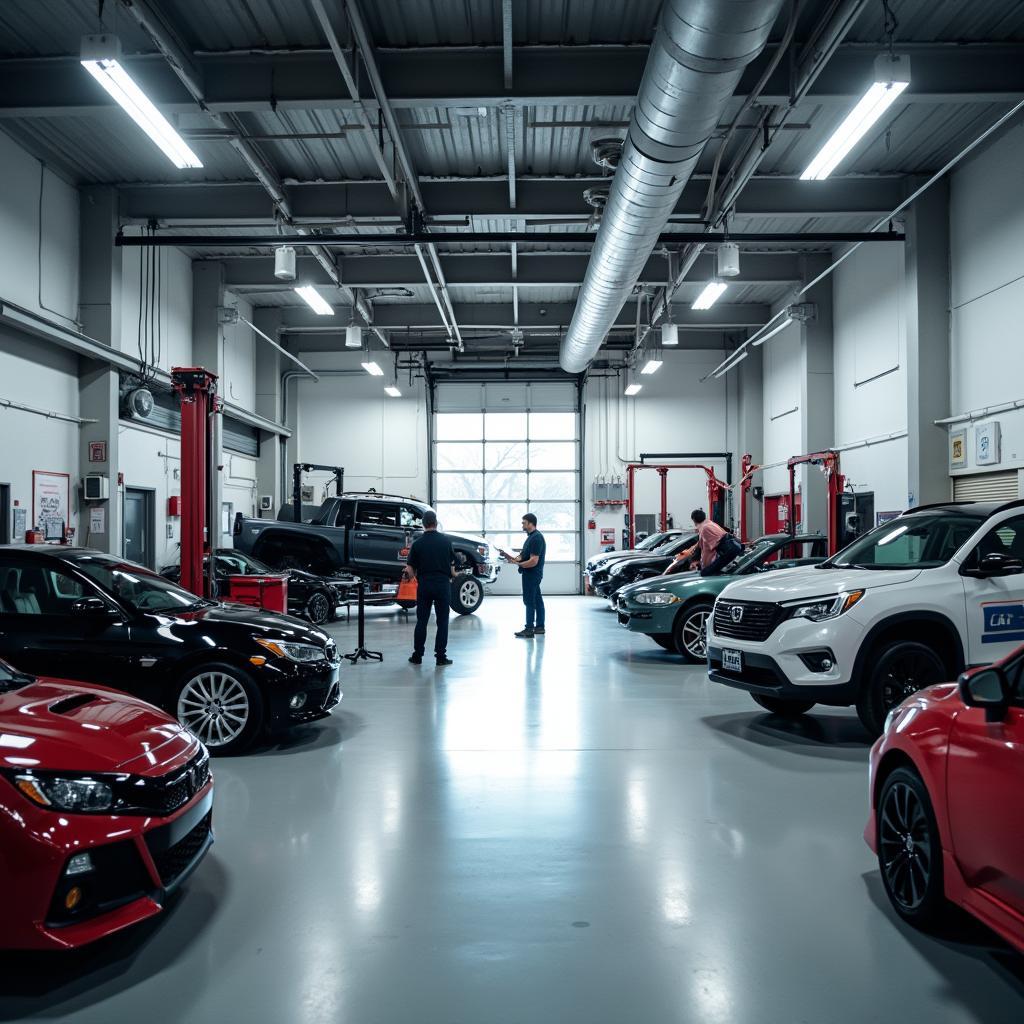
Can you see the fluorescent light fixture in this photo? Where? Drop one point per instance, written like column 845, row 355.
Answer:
column 892, row 76
column 315, row 300
column 353, row 336
column 373, row 369
column 710, row 295
column 392, row 391
column 651, row 366
column 633, row 389
column 101, row 58
column 771, row 334
column 669, row 335
column 739, row 357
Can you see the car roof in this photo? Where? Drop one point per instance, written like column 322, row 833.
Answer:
column 795, row 538
column 981, row 509
column 376, row 495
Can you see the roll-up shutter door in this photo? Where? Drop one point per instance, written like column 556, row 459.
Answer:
column 986, row 486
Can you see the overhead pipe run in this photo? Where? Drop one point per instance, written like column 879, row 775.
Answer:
column 699, row 52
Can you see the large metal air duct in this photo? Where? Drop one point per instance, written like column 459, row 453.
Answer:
column 699, row 52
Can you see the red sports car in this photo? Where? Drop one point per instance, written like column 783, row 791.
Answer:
column 105, row 808
column 947, row 800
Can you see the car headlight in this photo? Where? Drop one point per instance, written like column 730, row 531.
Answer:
column 302, row 653
column 62, row 793
column 656, row 597
column 825, row 607
column 482, row 550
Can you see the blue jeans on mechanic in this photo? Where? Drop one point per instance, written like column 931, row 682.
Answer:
column 533, row 601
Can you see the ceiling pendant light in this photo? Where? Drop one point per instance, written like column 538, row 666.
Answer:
column 892, row 76
column 353, row 336
column 101, row 57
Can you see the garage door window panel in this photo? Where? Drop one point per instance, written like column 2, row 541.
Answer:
column 460, row 516
column 459, row 486
column 456, row 455
column 553, row 426
column 505, row 426
column 506, row 487
column 552, row 455
column 552, row 486
column 505, row 455
column 458, row 426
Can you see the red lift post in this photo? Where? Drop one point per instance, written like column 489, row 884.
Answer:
column 828, row 463
column 747, row 470
column 197, row 389
column 716, row 488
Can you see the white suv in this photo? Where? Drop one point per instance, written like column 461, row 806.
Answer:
column 909, row 604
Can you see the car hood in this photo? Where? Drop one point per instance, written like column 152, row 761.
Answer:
column 469, row 539
column 257, row 621
column 809, row 581
column 683, row 585
column 644, row 561
column 54, row 725
column 609, row 557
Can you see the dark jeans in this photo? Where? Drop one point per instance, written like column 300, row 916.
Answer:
column 533, row 600
column 728, row 549
column 432, row 592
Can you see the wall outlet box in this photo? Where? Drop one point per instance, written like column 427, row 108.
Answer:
column 266, row 502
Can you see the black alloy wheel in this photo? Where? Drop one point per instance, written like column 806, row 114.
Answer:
column 909, row 849
column 783, row 706
column 319, row 608
column 690, row 632
column 900, row 670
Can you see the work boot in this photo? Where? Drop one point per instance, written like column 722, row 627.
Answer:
column 526, row 632
column 538, row 631
column 416, row 659
column 444, row 660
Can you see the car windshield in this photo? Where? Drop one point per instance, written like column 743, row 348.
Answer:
column 244, row 565
column 138, row 588
column 923, row 541
column 758, row 550
column 10, row 679
column 653, row 541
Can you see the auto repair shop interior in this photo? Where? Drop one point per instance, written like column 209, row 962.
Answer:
column 727, row 295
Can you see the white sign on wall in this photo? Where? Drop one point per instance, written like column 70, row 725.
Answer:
column 986, row 443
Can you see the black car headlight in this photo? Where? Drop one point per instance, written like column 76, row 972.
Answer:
column 824, row 608
column 304, row 654
column 71, row 794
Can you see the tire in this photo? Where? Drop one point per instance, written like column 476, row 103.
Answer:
column 782, row 706
column 900, row 670
column 689, row 632
column 910, row 849
column 467, row 594
column 239, row 725
column 319, row 608
column 665, row 640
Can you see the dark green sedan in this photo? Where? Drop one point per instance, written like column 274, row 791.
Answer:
column 672, row 610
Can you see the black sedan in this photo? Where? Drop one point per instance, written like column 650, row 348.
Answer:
column 641, row 565
column 313, row 597
column 227, row 672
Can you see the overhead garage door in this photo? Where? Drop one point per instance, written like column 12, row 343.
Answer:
column 1002, row 486
column 502, row 449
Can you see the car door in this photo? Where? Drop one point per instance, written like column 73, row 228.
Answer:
column 994, row 605
column 44, row 629
column 985, row 797
column 378, row 539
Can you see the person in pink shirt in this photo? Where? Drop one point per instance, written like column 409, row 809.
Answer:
column 717, row 546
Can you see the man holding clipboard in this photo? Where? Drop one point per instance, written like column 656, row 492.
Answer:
column 530, row 561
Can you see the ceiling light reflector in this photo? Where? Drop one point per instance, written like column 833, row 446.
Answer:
column 101, row 58
column 710, row 295
column 315, row 300
column 892, row 76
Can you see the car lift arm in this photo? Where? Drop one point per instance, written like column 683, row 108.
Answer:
column 306, row 467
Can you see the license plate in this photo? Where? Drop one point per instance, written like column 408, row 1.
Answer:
column 732, row 661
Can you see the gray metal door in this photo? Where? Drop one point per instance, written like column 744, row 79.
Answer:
column 138, row 526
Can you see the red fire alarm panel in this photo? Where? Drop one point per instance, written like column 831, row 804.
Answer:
column 174, row 505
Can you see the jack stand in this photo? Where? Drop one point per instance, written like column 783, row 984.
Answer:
column 361, row 651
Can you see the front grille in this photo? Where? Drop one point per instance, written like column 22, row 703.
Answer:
column 757, row 619
column 163, row 796
column 171, row 862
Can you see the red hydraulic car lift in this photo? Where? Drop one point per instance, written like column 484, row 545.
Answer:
column 828, row 462
column 716, row 488
column 197, row 389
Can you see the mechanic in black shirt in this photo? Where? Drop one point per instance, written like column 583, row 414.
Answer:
column 531, row 569
column 431, row 563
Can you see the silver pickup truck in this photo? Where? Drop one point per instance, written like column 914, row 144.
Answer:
column 369, row 534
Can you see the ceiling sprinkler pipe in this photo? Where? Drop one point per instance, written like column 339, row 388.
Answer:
column 699, row 53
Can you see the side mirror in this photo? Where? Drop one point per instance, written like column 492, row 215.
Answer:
column 997, row 564
column 986, row 688
column 94, row 607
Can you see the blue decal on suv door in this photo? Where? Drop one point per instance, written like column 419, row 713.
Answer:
column 1002, row 622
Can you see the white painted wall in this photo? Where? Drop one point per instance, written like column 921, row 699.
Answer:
column 673, row 412
column 150, row 459
column 37, row 374
column 37, row 235
column 782, row 412
column 174, row 315
column 987, row 290
column 870, row 371
column 239, row 358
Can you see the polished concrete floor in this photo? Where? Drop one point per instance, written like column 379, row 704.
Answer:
column 570, row 829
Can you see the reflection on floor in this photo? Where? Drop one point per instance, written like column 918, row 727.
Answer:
column 568, row 829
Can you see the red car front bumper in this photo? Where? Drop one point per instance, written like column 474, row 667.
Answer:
column 138, row 861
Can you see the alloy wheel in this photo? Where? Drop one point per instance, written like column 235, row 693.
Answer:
column 215, row 706
column 695, row 634
column 468, row 593
column 905, row 677
column 905, row 846
column 318, row 609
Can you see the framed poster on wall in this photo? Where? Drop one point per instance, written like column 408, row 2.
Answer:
column 957, row 449
column 51, row 503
